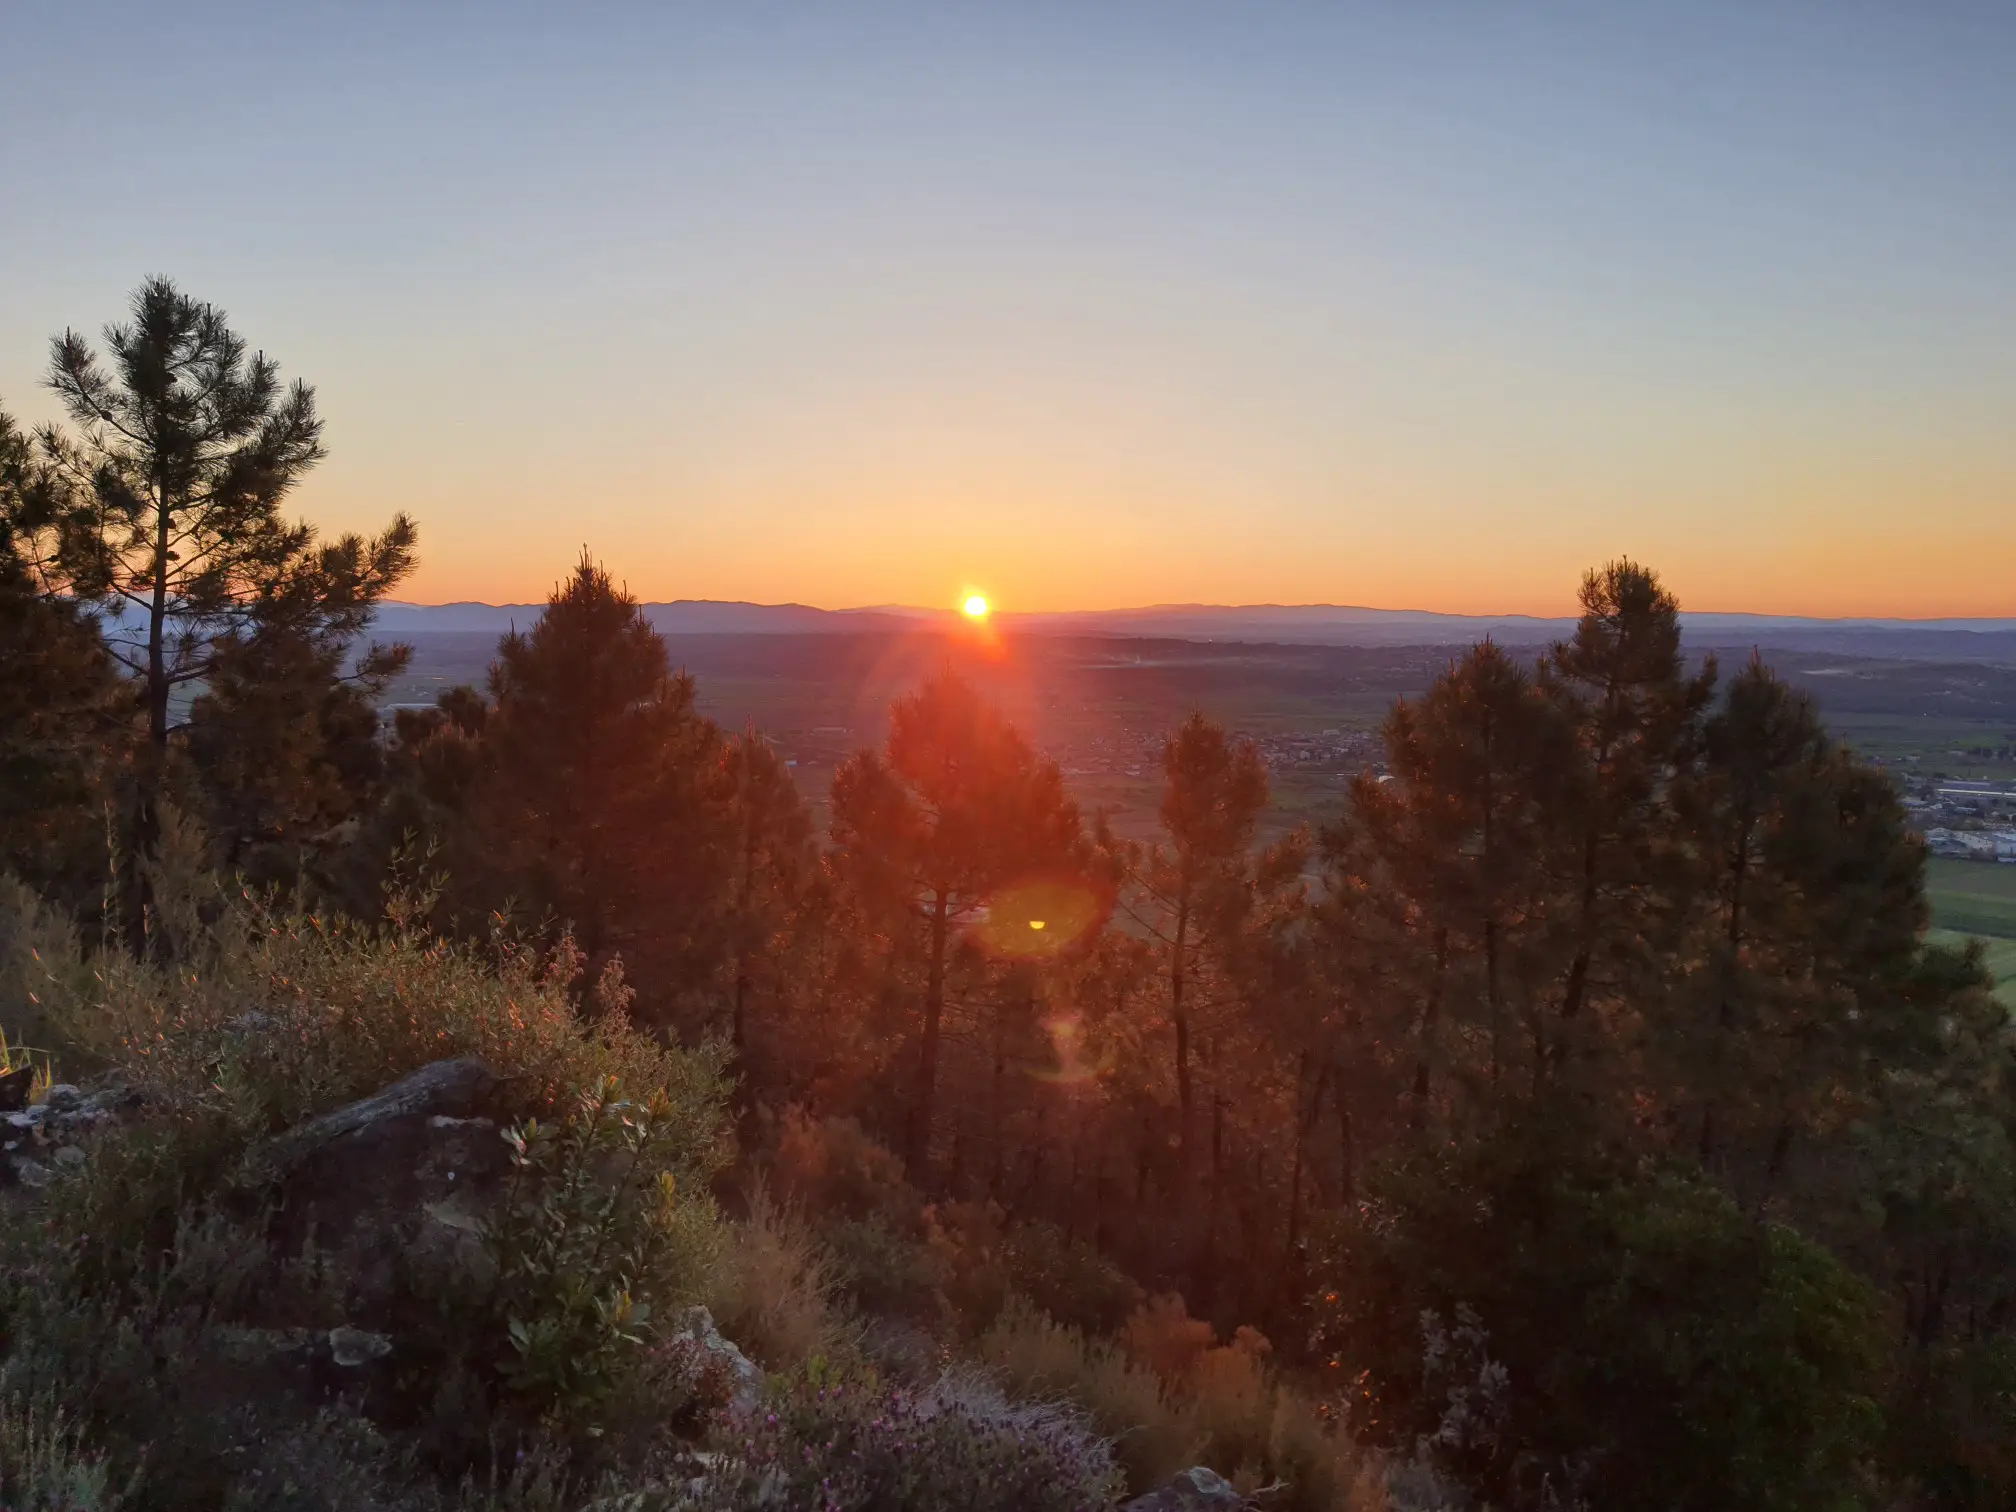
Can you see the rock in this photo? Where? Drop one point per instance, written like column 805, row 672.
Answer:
column 351, row 1347
column 747, row 1374
column 388, row 1188
column 451, row 1087
column 1194, row 1490
column 63, row 1098
column 15, row 1086
column 69, row 1155
column 30, row 1172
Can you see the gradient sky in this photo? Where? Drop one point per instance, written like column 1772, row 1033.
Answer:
column 1417, row 306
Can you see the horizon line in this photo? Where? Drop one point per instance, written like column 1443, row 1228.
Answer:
column 1926, row 621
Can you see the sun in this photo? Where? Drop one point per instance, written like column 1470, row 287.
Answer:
column 975, row 607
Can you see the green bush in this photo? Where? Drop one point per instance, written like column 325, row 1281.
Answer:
column 151, row 1293
column 591, row 1249
column 1643, row 1341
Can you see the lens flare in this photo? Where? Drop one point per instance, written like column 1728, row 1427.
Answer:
column 975, row 607
column 1035, row 918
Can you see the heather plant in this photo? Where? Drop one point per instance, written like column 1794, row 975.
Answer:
column 852, row 1444
column 1170, row 1396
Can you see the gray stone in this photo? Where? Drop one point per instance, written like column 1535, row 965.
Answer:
column 63, row 1098
column 30, row 1173
column 351, row 1347
column 1194, row 1490
column 699, row 1327
column 68, row 1155
column 453, row 1087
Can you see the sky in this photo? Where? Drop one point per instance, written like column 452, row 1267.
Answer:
column 1083, row 306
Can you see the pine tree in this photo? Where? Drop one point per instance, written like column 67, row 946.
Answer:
column 181, row 455
column 772, row 863
column 1622, row 682
column 284, row 742
column 1805, row 985
column 926, row 831
column 1441, row 889
column 600, row 801
column 63, row 711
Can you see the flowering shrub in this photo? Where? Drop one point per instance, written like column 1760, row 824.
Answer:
column 846, row 1446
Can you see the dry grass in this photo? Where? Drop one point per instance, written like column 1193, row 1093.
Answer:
column 281, row 1015
column 1170, row 1396
column 773, row 1292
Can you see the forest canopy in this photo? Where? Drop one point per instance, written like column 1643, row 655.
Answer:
column 1578, row 1113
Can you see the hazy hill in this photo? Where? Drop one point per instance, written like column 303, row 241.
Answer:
column 1962, row 640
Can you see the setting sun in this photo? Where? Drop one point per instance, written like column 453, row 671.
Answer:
column 975, row 607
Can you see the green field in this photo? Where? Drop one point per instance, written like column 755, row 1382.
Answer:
column 1973, row 897
column 1977, row 898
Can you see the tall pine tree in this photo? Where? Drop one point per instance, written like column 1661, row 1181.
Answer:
column 182, row 451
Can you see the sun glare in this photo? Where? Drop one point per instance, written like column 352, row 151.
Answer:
column 975, row 607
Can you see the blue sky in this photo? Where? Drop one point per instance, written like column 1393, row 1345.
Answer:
column 1415, row 306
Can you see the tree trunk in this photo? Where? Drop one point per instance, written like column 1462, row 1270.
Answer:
column 1347, row 1154
column 144, row 845
column 1585, row 923
column 1430, row 1014
column 1725, row 1008
column 1303, row 1124
column 745, row 908
column 922, row 1109
column 1179, row 1013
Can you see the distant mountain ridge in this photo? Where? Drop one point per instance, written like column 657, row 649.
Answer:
column 1293, row 624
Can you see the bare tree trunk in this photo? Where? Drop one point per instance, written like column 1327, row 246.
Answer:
column 144, row 843
column 1430, row 1015
column 922, row 1109
column 1179, row 1014
column 1725, row 1008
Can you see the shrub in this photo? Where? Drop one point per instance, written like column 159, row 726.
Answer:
column 884, row 1272
column 1153, row 1431
column 1213, row 1404
column 44, row 1466
column 773, row 1292
column 830, row 1167
column 958, row 1444
column 1659, row 1346
column 149, row 1293
column 287, row 1014
column 1068, row 1278
column 983, row 1260
column 591, row 1248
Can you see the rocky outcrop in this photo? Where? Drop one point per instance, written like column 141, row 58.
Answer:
column 1194, row 1490
column 400, row 1181
column 45, row 1137
column 442, row 1089
column 744, row 1374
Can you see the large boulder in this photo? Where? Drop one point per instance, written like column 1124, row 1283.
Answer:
column 1194, row 1490
column 404, row 1178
